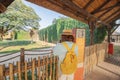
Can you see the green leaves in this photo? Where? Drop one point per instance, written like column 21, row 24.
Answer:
column 18, row 16
column 52, row 33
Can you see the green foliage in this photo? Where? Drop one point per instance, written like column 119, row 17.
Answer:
column 18, row 16
column 99, row 34
column 23, row 35
column 52, row 33
column 15, row 43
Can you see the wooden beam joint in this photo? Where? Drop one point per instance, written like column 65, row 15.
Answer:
column 2, row 7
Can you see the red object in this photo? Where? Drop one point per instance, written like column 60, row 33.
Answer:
column 110, row 48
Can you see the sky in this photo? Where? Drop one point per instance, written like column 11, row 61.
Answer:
column 47, row 16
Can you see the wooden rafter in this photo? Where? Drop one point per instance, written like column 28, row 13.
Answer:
column 81, row 11
column 112, row 14
column 115, row 17
column 2, row 7
column 65, row 7
column 111, row 7
column 86, row 6
column 104, row 13
column 100, row 7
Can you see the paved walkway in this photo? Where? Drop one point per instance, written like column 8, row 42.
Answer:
column 105, row 71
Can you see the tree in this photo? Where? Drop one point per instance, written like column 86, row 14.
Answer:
column 18, row 16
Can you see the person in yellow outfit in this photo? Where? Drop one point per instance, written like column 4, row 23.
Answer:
column 61, row 50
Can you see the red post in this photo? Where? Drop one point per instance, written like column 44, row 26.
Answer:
column 110, row 48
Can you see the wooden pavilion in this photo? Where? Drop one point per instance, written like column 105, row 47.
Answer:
column 92, row 12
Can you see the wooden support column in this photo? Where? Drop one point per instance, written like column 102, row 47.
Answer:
column 2, row 72
column 22, row 56
column 109, row 34
column 92, row 28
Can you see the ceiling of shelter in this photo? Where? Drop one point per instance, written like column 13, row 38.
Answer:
column 4, row 4
column 98, row 11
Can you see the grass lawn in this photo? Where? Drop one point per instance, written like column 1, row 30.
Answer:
column 15, row 46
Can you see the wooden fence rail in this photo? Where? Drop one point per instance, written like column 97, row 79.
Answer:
column 46, row 67
column 43, row 68
column 93, row 55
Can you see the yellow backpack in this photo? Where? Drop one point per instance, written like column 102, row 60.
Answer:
column 69, row 64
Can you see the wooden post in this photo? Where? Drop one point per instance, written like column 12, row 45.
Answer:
column 22, row 56
column 51, row 67
column 33, row 69
column 11, row 73
column 91, row 36
column 92, row 28
column 56, row 63
column 108, row 36
column 1, row 72
column 19, row 70
column 109, row 33
column 26, row 76
column 39, row 74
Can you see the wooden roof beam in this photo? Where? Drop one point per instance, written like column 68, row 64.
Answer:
column 111, row 7
column 101, row 6
column 82, row 11
column 104, row 13
column 86, row 6
column 2, row 7
column 64, row 7
column 112, row 14
column 114, row 18
column 77, row 13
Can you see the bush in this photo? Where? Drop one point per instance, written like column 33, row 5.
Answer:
column 14, row 43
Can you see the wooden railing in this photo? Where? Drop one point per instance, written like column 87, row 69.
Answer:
column 93, row 55
column 43, row 68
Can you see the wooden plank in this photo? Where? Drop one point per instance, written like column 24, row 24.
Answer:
column 43, row 69
column 11, row 71
column 2, row 72
column 111, row 7
column 113, row 18
column 46, row 68
column 19, row 71
column 112, row 14
column 2, row 7
column 51, row 67
column 39, row 75
column 101, row 6
column 26, row 78
column 88, row 4
column 33, row 69
column 56, row 68
column 22, row 56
